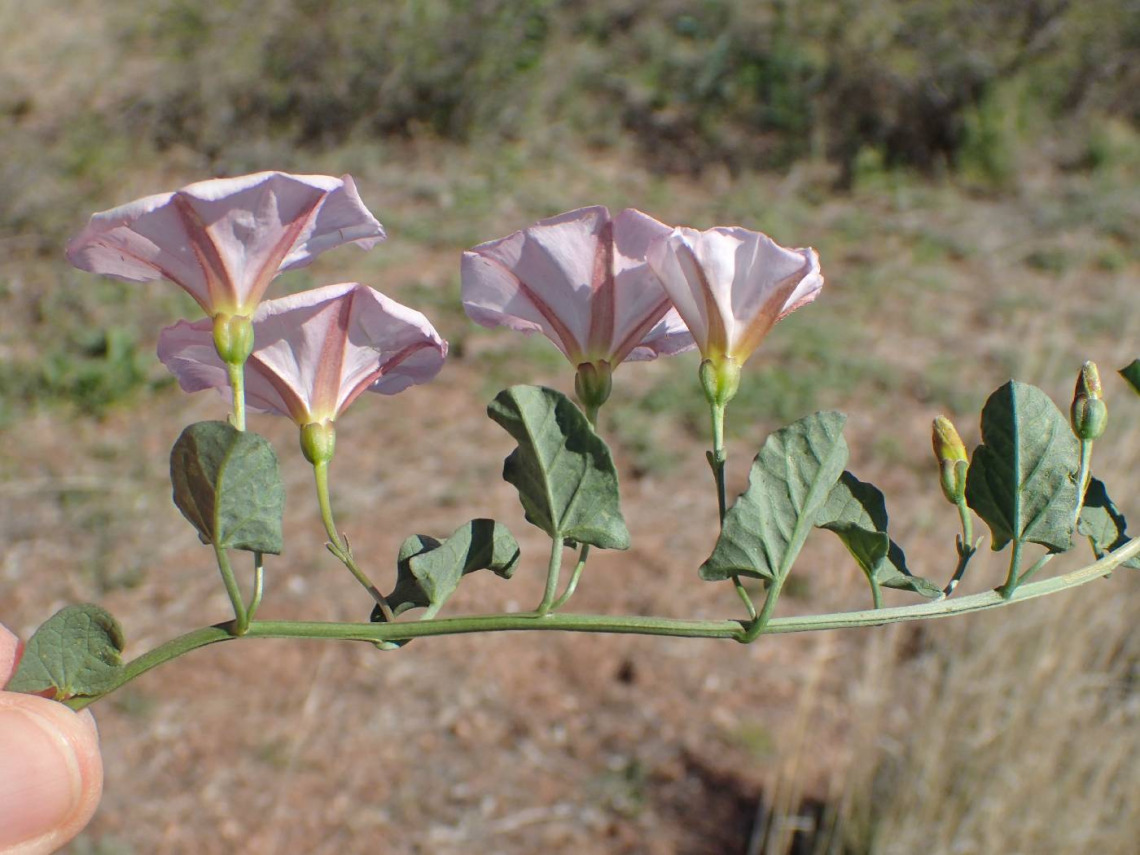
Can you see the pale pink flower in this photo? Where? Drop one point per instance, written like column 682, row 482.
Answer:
column 224, row 240
column 731, row 285
column 314, row 352
column 580, row 279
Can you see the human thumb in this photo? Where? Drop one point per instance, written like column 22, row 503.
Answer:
column 51, row 774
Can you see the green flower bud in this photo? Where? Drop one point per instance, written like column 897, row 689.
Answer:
column 1088, row 413
column 233, row 337
column 950, row 453
column 720, row 379
column 318, row 442
column 593, row 384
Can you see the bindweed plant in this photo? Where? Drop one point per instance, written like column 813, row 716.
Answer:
column 605, row 290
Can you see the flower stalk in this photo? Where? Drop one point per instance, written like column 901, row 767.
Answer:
column 338, row 545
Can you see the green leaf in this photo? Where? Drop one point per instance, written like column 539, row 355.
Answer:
column 563, row 470
column 77, row 652
column 227, row 483
column 1103, row 524
column 790, row 481
column 857, row 512
column 1022, row 479
column 428, row 571
column 1131, row 373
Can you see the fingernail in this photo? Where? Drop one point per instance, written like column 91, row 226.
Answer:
column 40, row 780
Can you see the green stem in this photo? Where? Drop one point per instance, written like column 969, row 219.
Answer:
column 966, row 548
column 241, row 616
column 717, row 458
column 1037, row 565
column 572, row 586
column 237, row 383
column 1010, row 585
column 876, row 594
column 258, row 584
column 1084, row 474
column 552, row 571
column 375, row 633
column 761, row 621
column 339, row 547
column 591, row 412
column 584, row 551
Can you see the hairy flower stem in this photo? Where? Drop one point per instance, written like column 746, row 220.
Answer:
column 584, row 552
column 717, row 458
column 1084, row 475
column 237, row 383
column 966, row 547
column 339, row 546
column 375, row 633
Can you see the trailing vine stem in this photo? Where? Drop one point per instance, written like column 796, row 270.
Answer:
column 378, row 633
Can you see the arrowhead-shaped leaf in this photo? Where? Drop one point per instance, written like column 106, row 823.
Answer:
column 1131, row 373
column 227, row 483
column 1022, row 479
column 77, row 652
column 857, row 512
column 1102, row 523
column 428, row 571
column 563, row 470
column 790, row 481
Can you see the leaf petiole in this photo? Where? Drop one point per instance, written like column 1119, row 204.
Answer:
column 241, row 616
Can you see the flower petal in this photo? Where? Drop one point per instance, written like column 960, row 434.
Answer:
column 315, row 352
column 225, row 239
column 580, row 278
column 187, row 350
column 731, row 285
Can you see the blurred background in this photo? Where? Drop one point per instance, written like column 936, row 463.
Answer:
column 967, row 171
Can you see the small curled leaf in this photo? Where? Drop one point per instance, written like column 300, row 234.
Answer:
column 77, row 652
column 429, row 571
column 857, row 512
column 227, row 484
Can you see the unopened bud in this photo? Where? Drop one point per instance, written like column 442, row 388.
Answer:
column 593, row 384
column 950, row 453
column 233, row 337
column 720, row 379
column 1089, row 413
column 318, row 442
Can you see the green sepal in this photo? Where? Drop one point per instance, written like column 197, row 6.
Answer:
column 1131, row 373
column 428, row 571
column 228, row 485
column 791, row 480
column 1022, row 479
column 564, row 473
column 1103, row 524
column 857, row 512
column 77, row 652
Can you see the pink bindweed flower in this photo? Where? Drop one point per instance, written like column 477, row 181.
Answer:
column 224, row 240
column 314, row 353
column 580, row 279
column 731, row 285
